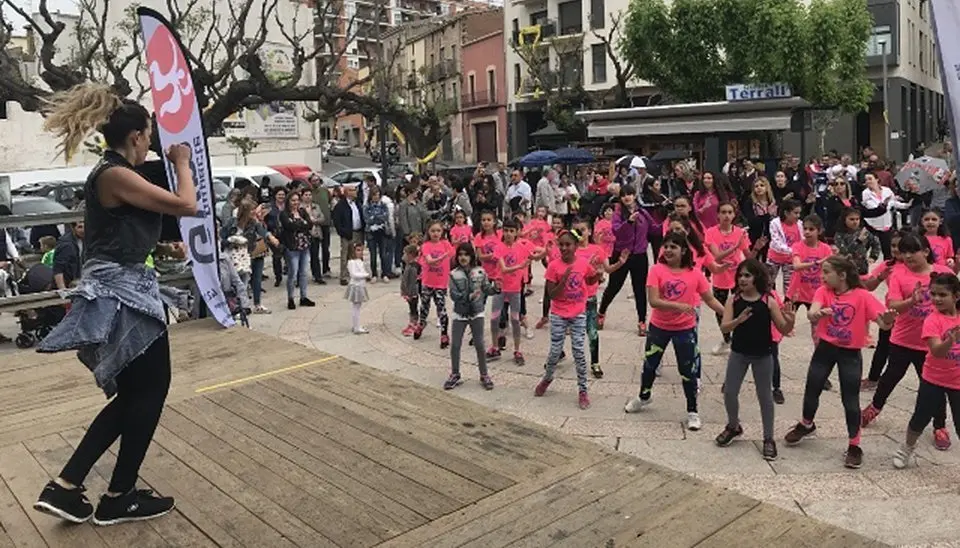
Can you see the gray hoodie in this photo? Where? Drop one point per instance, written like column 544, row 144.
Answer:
column 469, row 291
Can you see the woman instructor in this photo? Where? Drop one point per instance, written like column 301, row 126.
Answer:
column 116, row 321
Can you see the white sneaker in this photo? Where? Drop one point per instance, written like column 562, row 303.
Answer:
column 385, row 279
column 360, row 331
column 261, row 310
column 373, row 279
column 693, row 421
column 636, row 404
column 904, row 457
column 721, row 348
column 527, row 333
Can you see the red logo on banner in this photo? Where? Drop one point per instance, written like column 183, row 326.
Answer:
column 172, row 87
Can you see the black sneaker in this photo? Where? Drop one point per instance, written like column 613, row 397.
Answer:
column 320, row 281
column 502, row 342
column 137, row 505
column 452, row 381
column 291, row 305
column 778, row 396
column 854, row 457
column 306, row 302
column 769, row 450
column 798, row 432
column 67, row 504
column 728, row 435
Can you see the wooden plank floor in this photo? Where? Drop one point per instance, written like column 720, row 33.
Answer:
column 267, row 443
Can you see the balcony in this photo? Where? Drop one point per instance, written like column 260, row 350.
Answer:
column 412, row 81
column 481, row 98
column 534, row 34
column 446, row 68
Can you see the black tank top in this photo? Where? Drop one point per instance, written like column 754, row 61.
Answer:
column 124, row 234
column 753, row 337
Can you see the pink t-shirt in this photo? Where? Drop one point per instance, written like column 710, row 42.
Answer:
column 680, row 286
column 604, row 237
column 487, row 245
column 736, row 238
column 852, row 312
column 460, row 234
column 775, row 333
column 942, row 247
column 536, row 231
column 512, row 255
column 436, row 276
column 572, row 301
column 805, row 283
column 909, row 324
column 793, row 236
column 596, row 254
column 943, row 372
column 550, row 244
column 879, row 269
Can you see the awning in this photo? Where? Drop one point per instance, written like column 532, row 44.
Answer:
column 688, row 125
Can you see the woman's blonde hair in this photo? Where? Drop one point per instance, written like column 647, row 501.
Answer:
column 73, row 114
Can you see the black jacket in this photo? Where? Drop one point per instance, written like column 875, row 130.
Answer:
column 343, row 218
column 66, row 258
column 292, row 226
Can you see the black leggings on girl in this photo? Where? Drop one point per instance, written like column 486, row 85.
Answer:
column 849, row 363
column 721, row 295
column 636, row 267
column 132, row 415
column 900, row 360
column 930, row 401
column 880, row 355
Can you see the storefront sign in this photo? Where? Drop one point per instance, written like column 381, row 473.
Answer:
column 755, row 92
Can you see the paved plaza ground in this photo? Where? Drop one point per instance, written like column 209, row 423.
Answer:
column 916, row 507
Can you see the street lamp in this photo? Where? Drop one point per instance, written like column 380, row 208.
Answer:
column 886, row 102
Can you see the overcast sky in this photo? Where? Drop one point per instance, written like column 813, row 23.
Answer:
column 64, row 6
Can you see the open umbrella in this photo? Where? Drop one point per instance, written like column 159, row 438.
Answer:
column 573, row 156
column 614, row 153
column 929, row 173
column 538, row 158
column 632, row 160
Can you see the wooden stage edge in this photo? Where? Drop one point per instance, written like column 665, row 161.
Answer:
column 268, row 443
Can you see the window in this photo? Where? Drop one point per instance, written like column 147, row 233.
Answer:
column 597, row 14
column 453, row 93
column 936, row 62
column 923, row 9
column 516, row 25
column 491, row 86
column 516, row 78
column 472, row 86
column 570, row 68
column 880, row 34
column 538, row 18
column 922, row 57
column 570, row 15
column 598, row 54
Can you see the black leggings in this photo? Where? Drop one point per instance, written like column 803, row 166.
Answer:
column 849, row 367
column 880, row 355
column 132, row 415
column 636, row 267
column 884, row 236
column 721, row 295
column 900, row 360
column 931, row 400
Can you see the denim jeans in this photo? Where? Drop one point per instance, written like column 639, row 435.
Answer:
column 298, row 261
column 256, row 279
column 376, row 243
column 558, row 333
column 687, row 352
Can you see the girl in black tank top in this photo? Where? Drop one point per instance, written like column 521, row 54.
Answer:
column 750, row 314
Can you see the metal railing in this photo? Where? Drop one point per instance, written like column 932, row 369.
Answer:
column 478, row 99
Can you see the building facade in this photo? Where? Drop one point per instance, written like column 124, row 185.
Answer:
column 483, row 101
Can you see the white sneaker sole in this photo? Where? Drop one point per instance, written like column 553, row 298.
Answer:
column 118, row 521
column 52, row 510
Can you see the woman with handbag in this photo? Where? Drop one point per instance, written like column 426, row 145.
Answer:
column 249, row 223
column 316, row 233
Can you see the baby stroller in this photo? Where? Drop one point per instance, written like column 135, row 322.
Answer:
column 238, row 312
column 35, row 324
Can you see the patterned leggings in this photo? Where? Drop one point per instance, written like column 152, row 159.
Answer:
column 439, row 298
column 687, row 353
column 775, row 269
column 593, row 335
column 558, row 332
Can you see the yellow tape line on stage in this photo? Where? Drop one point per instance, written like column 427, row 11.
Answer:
column 264, row 375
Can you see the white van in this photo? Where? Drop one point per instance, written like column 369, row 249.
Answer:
column 240, row 177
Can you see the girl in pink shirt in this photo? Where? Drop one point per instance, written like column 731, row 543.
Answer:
column 880, row 274
column 842, row 310
column 784, row 232
column 603, row 232
column 908, row 294
column 674, row 289
column 537, row 228
column 683, row 207
column 567, row 281
column 707, row 198
column 515, row 257
column 552, row 253
column 436, row 255
column 940, row 242
column 487, row 244
column 940, row 379
column 808, row 255
column 460, row 232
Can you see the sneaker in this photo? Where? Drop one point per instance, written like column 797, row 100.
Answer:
column 408, row 330
column 636, row 404
column 444, row 342
column 260, row 309
column 721, row 348
column 528, row 333
column 642, row 329
column 693, row 421
column 385, row 279
column 417, row 332
column 941, row 439
column 868, row 415
column 501, row 342
column 486, row 382
column 291, row 305
column 596, row 371
column 904, row 457
column 769, row 450
column 306, row 302
column 137, row 505
column 344, row 282
column 373, row 279
column 493, row 354
column 518, row 358
column 854, row 457
column 827, row 385
column 728, row 435
column 542, row 386
column 583, row 401
column 541, row 323
column 778, row 396
column 361, row 331
column 67, row 504
column 452, row 381
column 798, row 432
column 320, row 281
column 867, row 385
column 600, row 319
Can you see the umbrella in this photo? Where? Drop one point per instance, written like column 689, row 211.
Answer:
column 573, row 156
column 929, row 173
column 538, row 158
column 614, row 153
column 632, row 160
column 670, row 154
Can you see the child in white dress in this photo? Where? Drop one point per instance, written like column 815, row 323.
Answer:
column 357, row 289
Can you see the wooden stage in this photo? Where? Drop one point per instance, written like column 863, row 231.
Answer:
column 268, row 443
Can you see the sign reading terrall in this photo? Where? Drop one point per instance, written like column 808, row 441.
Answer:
column 756, row 92
column 178, row 120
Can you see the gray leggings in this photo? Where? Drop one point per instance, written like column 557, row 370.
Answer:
column 476, row 329
column 762, row 367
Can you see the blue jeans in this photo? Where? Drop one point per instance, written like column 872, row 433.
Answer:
column 558, row 332
column 377, row 244
column 256, row 279
column 687, row 352
column 297, row 264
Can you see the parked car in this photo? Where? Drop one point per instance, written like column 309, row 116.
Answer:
column 36, row 205
column 395, row 178
column 63, row 192
column 239, row 177
column 340, row 148
column 295, row 171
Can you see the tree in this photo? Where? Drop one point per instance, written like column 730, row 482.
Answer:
column 559, row 82
column 244, row 146
column 228, row 48
column 693, row 48
column 623, row 69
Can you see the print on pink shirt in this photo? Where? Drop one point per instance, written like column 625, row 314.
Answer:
column 840, row 321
